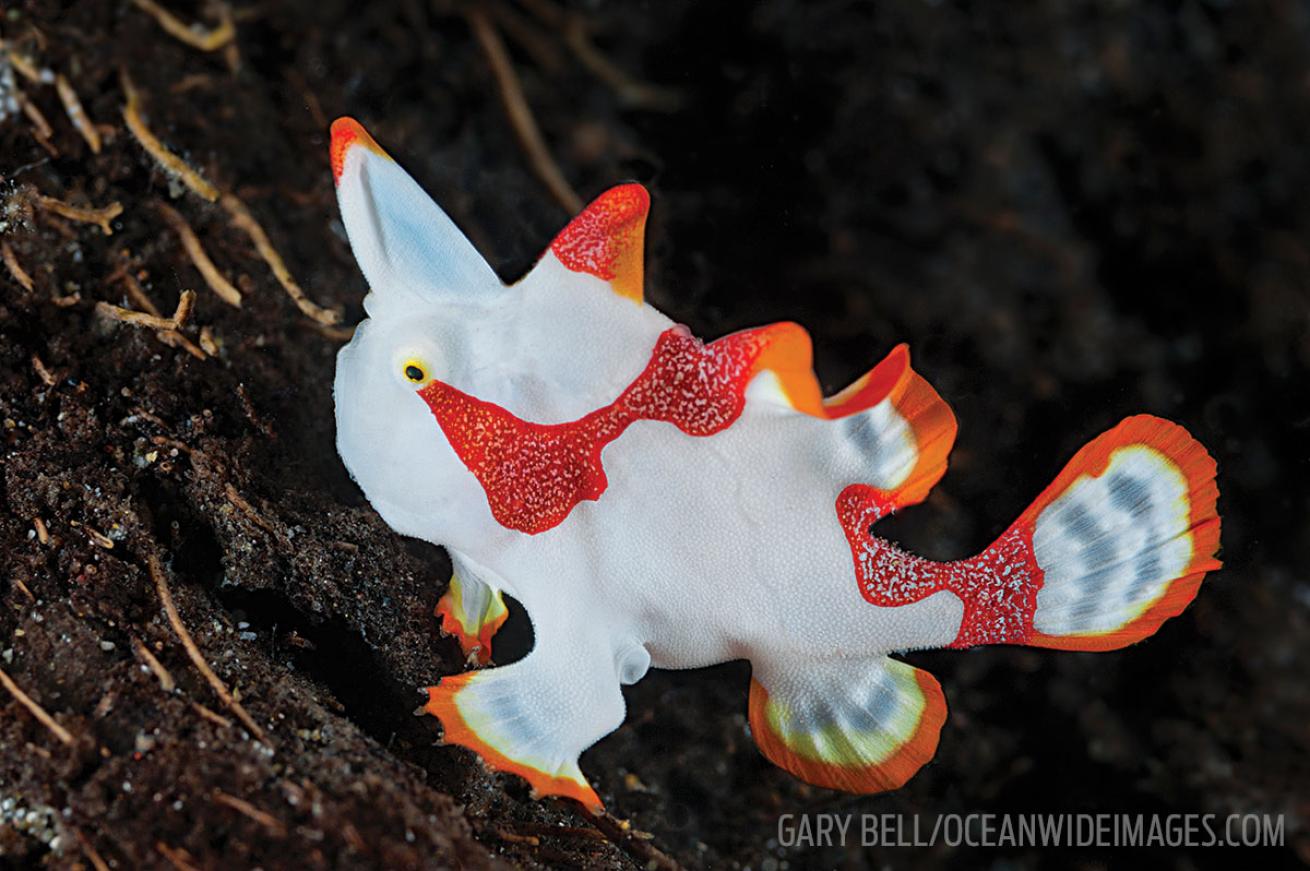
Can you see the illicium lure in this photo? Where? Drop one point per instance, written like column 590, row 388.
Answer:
column 653, row 500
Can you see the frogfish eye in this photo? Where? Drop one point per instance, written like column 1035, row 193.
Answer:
column 415, row 372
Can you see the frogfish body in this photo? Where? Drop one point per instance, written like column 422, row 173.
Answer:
column 653, row 500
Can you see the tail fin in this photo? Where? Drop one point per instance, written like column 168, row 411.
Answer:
column 1123, row 537
column 1116, row 545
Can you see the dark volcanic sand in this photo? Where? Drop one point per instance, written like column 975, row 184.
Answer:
column 1072, row 213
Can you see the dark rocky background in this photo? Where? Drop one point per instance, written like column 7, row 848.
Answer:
column 1072, row 211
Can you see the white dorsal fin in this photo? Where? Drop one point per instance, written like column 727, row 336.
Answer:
column 404, row 242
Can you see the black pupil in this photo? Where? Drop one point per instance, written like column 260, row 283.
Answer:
column 413, row 373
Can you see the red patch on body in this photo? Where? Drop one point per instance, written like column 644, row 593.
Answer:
column 998, row 586
column 534, row 474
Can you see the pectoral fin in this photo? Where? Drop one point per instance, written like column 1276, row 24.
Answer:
column 534, row 717
column 472, row 612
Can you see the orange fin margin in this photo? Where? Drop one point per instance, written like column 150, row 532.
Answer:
column 473, row 631
column 1175, row 600
column 789, row 356
column 1198, row 468
column 888, row 774
column 788, row 353
column 933, row 424
column 456, row 730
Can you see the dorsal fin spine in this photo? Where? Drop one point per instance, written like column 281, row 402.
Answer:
column 607, row 238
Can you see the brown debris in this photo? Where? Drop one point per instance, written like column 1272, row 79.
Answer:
column 212, row 716
column 42, row 534
column 632, row 92
column 97, row 537
column 252, row 414
column 36, row 710
column 579, row 833
column 197, row 658
column 104, row 706
column 176, row 339
column 354, row 838
column 241, row 806
column 34, row 114
column 534, row 43
column 41, row 129
column 39, row 367
column 177, row 857
column 232, row 54
column 77, row 114
column 335, row 333
column 207, row 341
column 519, row 112
column 171, row 163
column 15, row 269
column 191, row 243
column 88, row 849
column 513, row 838
column 152, row 418
column 138, row 294
column 193, row 35
column 25, row 66
column 312, row 105
column 166, row 682
column 243, row 220
column 191, row 82
column 576, row 35
column 166, row 442
column 249, row 510
column 636, row 844
column 154, row 322
column 100, row 217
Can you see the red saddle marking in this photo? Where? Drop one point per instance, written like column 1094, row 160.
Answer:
column 534, row 474
column 998, row 586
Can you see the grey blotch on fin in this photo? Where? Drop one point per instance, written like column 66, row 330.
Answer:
column 1129, row 493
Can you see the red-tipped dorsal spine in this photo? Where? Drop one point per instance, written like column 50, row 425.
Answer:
column 606, row 239
column 345, row 133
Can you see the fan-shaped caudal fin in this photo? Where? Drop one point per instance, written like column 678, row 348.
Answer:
column 472, row 612
column 850, row 724
column 1123, row 537
column 605, row 241
column 892, row 418
column 534, row 717
column 1116, row 545
column 405, row 244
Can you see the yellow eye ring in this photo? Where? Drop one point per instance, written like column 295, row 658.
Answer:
column 415, row 372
